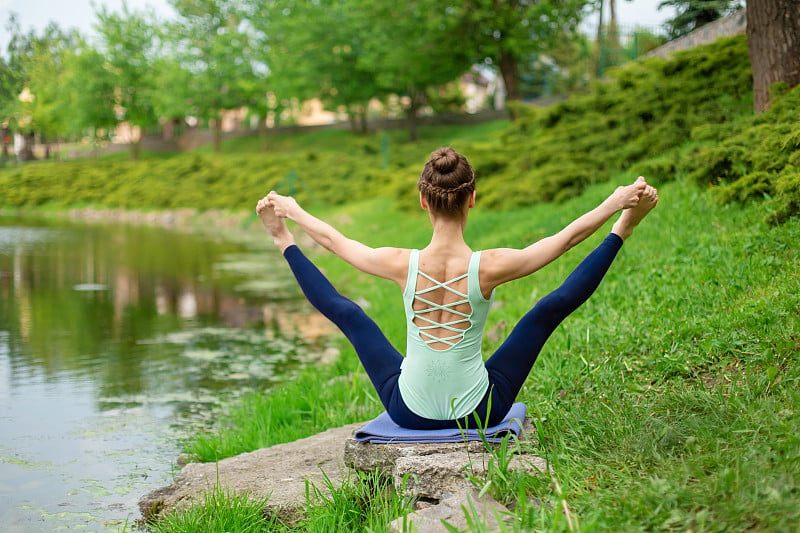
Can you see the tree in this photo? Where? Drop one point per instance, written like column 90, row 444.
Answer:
column 88, row 92
column 315, row 50
column 172, row 103
column 46, row 71
column 607, row 42
column 30, row 94
column 212, row 43
column 773, row 38
column 129, row 42
column 411, row 47
column 12, row 70
column 504, row 33
column 693, row 14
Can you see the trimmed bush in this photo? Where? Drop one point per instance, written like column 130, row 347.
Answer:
column 690, row 115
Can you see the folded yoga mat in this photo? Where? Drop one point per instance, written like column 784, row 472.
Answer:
column 383, row 431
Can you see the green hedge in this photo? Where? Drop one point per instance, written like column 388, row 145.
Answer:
column 688, row 115
column 643, row 111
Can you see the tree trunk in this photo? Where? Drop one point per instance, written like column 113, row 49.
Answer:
column 412, row 114
column 363, row 119
column 263, row 134
column 510, row 73
column 136, row 149
column 613, row 30
column 352, row 119
column 218, row 134
column 598, row 58
column 25, row 152
column 773, row 38
column 5, row 139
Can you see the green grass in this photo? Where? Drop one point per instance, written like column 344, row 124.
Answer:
column 669, row 401
column 219, row 510
column 362, row 502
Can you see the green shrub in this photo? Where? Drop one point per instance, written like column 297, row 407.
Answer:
column 687, row 116
column 758, row 158
column 645, row 110
column 786, row 203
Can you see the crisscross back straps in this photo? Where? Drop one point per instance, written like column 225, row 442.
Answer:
column 460, row 318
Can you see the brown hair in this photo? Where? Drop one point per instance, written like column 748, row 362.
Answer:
column 446, row 182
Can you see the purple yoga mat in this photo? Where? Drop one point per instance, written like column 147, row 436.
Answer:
column 382, row 430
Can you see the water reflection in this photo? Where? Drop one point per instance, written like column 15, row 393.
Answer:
column 114, row 340
column 77, row 296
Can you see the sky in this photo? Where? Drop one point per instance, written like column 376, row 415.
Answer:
column 79, row 14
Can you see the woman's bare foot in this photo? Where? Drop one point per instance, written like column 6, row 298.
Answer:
column 275, row 226
column 631, row 217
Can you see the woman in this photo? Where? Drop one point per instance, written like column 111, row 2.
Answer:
column 443, row 382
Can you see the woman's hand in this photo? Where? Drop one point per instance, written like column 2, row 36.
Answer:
column 284, row 206
column 628, row 196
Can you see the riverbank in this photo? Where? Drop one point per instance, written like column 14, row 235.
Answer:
column 667, row 401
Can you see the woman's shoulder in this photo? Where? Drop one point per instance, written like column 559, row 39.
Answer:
column 494, row 255
column 496, row 266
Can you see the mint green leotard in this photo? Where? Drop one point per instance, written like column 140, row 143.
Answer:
column 448, row 383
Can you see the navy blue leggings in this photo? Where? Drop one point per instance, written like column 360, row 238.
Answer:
column 508, row 367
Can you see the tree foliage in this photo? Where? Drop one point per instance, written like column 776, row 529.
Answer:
column 12, row 74
column 315, row 50
column 89, row 92
column 506, row 34
column 430, row 53
column 32, row 79
column 129, row 41
column 693, row 14
column 212, row 42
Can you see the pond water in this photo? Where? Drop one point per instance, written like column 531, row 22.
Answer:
column 116, row 343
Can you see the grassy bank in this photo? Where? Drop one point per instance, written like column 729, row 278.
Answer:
column 668, row 402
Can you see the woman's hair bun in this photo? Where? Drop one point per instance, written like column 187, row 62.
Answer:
column 444, row 160
column 447, row 181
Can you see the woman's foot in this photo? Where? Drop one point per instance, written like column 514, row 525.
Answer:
column 275, row 226
column 631, row 217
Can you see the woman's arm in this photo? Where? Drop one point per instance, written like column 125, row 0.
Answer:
column 501, row 265
column 389, row 263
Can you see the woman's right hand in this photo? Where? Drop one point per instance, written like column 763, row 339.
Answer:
column 283, row 206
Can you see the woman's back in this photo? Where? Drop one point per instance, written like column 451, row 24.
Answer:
column 441, row 293
column 445, row 320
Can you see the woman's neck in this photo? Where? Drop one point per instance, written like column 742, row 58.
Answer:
column 448, row 233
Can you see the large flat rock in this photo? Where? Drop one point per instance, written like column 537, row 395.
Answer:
column 434, row 471
column 279, row 473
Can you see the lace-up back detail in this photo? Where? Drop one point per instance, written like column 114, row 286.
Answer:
column 443, row 375
column 442, row 326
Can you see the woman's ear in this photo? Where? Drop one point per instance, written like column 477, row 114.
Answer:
column 472, row 199
column 422, row 202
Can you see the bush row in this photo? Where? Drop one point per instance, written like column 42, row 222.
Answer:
column 689, row 115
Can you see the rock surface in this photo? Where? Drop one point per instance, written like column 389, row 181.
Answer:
column 437, row 472
column 455, row 510
column 278, row 472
